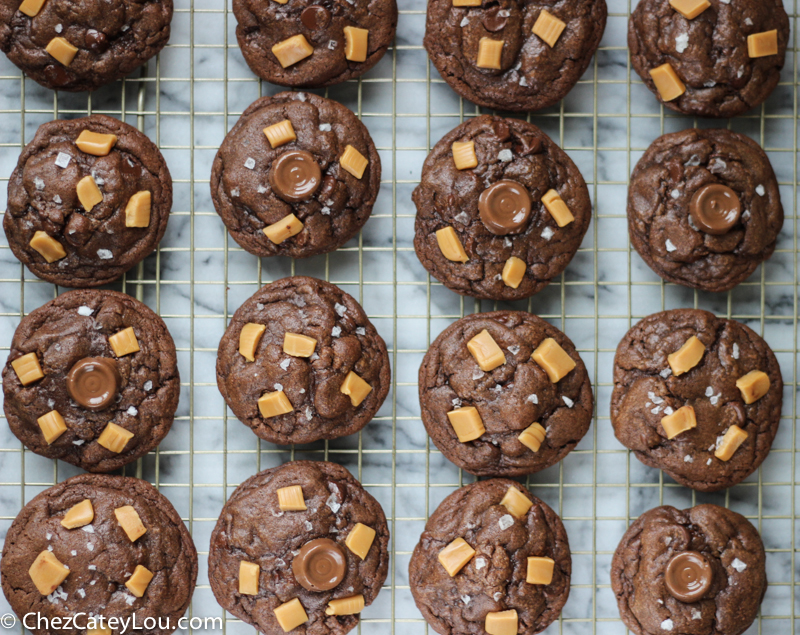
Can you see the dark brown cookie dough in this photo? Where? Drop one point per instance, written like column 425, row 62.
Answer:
column 262, row 25
column 646, row 390
column 76, row 326
column 112, row 39
column 532, row 74
column 494, row 579
column 506, row 150
column 346, row 341
column 101, row 557
column 509, row 398
column 671, row 240
column 42, row 197
column 248, row 198
column 732, row 572
column 253, row 528
column 709, row 53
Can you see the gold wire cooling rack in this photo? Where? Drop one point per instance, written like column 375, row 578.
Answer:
column 187, row 99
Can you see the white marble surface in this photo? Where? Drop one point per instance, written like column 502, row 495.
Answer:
column 200, row 277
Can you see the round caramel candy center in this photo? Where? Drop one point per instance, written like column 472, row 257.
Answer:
column 688, row 576
column 93, row 382
column 295, row 176
column 320, row 565
column 315, row 17
column 505, row 207
column 715, row 209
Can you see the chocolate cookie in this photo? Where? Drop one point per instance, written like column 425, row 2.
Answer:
column 300, row 362
column 510, row 54
column 712, row 58
column 704, row 208
column 300, row 545
column 99, row 547
column 504, row 394
column 91, row 379
column 313, row 43
column 296, row 176
column 696, row 396
column 492, row 555
column 700, row 570
column 78, row 45
column 88, row 200
column 501, row 209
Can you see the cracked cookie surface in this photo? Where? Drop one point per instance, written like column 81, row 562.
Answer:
column 645, row 390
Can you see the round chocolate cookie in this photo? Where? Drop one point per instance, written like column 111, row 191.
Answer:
column 493, row 558
column 89, row 199
column 76, row 45
column 704, row 208
column 513, row 54
column 501, row 209
column 300, row 545
column 300, row 362
column 97, row 545
column 91, row 379
column 719, row 59
column 696, row 396
column 296, row 176
column 504, row 394
column 701, row 571
column 313, row 43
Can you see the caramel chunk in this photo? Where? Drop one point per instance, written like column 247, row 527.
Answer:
column 290, row 615
column 514, row 272
column 95, row 143
column 137, row 211
column 450, row 245
column 466, row 3
column 753, row 385
column 687, row 356
column 47, row 572
column 353, row 161
column 281, row 1
column 355, row 43
column 99, row 631
column 114, row 437
column 690, row 9
column 78, row 515
column 355, row 388
column 733, row 438
column 248, row 577
column 489, row 53
column 360, row 539
column 558, row 208
column 27, row 368
column 61, row 50
column 298, row 345
column 464, row 155
column 284, row 229
column 455, row 556
column 467, row 423
column 533, row 436
column 88, row 193
column 272, row 404
column 290, row 499
column 249, row 339
column 292, row 50
column 280, row 133
column 555, row 361
column 137, row 583
column 346, row 606
column 681, row 420
column 124, row 342
column 52, row 425
column 502, row 622
column 516, row 502
column 549, row 28
column 49, row 248
column 763, row 44
column 667, row 82
column 486, row 351
column 131, row 524
column 540, row 570
column 31, row 7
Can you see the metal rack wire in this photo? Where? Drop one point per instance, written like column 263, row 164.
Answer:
column 187, row 99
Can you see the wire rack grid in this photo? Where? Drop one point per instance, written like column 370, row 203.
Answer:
column 187, row 99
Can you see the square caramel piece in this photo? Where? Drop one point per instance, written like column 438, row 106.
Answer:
column 95, row 143
column 533, row 436
column 60, row 49
column 514, row 272
column 731, row 442
column 555, row 361
column 464, row 155
column 490, row 53
column 467, row 3
column 249, row 339
column 540, row 570
column 284, row 229
column 128, row 519
column 292, row 50
column 274, row 404
column 52, row 426
column 27, row 368
column 353, row 161
column 467, row 423
column 31, row 8
column 124, row 342
column 690, row 9
column 355, row 388
column 48, row 247
column 248, row 577
column 486, row 352
column 290, row 615
column 297, row 345
column 88, row 193
column 516, row 502
column 114, row 437
column 753, row 386
column 346, row 606
column 280, row 133
column 47, row 572
column 79, row 515
column 548, row 27
column 667, row 82
column 137, row 584
column 137, row 211
column 355, row 43
column 450, row 245
column 687, row 356
column 455, row 556
column 360, row 539
column 290, row 499
column 680, row 421
column 762, row 44
column 558, row 208
column 502, row 623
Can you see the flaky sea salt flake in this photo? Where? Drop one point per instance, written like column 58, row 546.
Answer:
column 63, row 159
